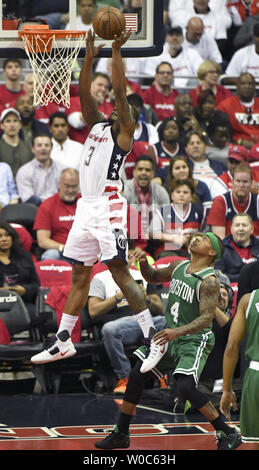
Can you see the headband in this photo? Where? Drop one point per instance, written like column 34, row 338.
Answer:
column 215, row 244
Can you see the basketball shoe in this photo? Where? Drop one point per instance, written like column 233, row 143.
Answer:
column 114, row 440
column 154, row 354
column 230, row 442
column 58, row 347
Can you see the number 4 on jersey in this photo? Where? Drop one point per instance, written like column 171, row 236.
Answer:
column 175, row 311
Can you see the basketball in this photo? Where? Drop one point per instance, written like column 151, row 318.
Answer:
column 109, row 22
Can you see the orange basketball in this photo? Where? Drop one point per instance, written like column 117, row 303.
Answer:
column 108, row 22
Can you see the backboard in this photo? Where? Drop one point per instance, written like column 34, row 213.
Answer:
column 145, row 21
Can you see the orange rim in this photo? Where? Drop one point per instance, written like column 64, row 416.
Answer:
column 33, row 32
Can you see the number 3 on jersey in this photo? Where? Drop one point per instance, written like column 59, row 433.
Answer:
column 89, row 156
column 175, row 311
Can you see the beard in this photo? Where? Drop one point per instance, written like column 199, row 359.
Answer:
column 28, row 118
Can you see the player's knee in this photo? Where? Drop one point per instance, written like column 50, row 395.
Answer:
column 185, row 386
column 81, row 276
column 186, row 389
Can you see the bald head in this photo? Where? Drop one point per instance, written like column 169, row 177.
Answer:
column 194, row 30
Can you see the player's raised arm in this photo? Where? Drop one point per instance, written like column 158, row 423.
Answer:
column 89, row 104
column 151, row 275
column 126, row 120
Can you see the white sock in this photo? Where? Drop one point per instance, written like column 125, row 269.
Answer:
column 67, row 323
column 145, row 322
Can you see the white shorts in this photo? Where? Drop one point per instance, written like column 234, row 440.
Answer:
column 99, row 230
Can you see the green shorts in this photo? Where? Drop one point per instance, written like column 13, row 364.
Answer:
column 185, row 355
column 249, row 408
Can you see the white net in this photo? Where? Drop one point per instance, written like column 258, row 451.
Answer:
column 52, row 62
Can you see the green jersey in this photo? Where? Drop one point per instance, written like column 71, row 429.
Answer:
column 183, row 301
column 252, row 327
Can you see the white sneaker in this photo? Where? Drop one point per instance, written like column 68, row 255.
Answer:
column 155, row 355
column 58, row 347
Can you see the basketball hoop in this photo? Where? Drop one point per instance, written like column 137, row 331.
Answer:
column 51, row 61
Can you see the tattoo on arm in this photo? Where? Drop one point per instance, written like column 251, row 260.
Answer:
column 157, row 276
column 209, row 294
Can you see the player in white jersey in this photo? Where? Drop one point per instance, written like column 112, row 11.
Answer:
column 99, row 228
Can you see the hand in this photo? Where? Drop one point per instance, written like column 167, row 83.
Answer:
column 91, row 50
column 164, row 336
column 228, row 400
column 20, row 290
column 120, row 40
column 138, row 255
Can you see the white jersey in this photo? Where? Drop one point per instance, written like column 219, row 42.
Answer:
column 101, row 163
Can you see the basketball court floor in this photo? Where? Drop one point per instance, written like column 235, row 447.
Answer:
column 73, row 422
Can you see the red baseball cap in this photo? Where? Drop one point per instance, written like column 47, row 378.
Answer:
column 254, row 152
column 238, row 152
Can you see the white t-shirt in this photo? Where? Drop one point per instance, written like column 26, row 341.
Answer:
column 69, row 154
column 244, row 60
column 80, row 26
column 185, row 64
column 214, row 23
column 104, row 287
column 207, row 48
column 203, row 172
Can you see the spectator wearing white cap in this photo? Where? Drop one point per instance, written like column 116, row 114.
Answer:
column 13, row 150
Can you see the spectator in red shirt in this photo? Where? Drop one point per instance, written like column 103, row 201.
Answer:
column 243, row 110
column 221, row 184
column 160, row 96
column 139, row 147
column 56, row 214
column 12, row 88
column 241, row 9
column 208, row 74
column 239, row 199
column 41, row 113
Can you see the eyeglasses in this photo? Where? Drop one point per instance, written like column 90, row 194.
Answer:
column 165, row 73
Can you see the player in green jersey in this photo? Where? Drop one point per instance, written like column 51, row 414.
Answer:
column 246, row 321
column 193, row 297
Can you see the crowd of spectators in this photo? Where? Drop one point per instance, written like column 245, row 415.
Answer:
column 194, row 162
